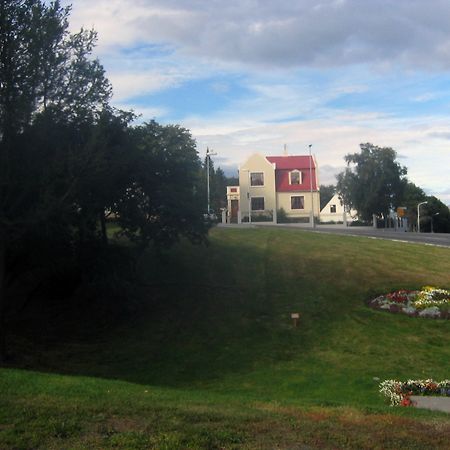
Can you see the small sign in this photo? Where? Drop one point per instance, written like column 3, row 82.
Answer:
column 295, row 316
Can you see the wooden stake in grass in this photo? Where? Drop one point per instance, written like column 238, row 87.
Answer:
column 295, row 318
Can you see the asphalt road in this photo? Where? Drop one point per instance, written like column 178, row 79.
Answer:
column 438, row 239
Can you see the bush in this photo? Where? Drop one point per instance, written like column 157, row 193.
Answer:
column 282, row 216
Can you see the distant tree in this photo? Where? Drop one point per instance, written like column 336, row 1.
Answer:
column 412, row 196
column 218, row 183
column 232, row 181
column 326, row 194
column 437, row 214
column 375, row 182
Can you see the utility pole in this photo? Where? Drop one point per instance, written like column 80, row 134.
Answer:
column 208, row 157
column 311, row 187
column 418, row 215
column 431, row 217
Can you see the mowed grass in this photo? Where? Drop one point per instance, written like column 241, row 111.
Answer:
column 209, row 357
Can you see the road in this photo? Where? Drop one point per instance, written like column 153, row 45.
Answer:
column 438, row 239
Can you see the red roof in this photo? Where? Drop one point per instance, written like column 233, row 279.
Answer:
column 285, row 164
column 291, row 162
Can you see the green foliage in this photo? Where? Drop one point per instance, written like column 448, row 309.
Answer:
column 67, row 159
column 282, row 216
column 436, row 213
column 218, row 183
column 162, row 201
column 375, row 184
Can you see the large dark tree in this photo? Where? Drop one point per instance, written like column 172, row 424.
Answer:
column 67, row 158
column 51, row 94
column 163, row 200
column 373, row 182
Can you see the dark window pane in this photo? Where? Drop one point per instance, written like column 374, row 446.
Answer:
column 295, row 177
column 257, row 203
column 257, row 179
column 298, row 202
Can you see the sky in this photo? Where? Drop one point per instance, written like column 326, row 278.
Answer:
column 247, row 76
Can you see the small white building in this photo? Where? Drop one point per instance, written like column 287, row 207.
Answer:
column 335, row 211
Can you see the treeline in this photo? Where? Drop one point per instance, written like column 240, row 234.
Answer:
column 69, row 161
column 374, row 183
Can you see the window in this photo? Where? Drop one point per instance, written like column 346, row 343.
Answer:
column 295, row 177
column 233, row 189
column 257, row 203
column 332, row 208
column 298, row 202
column 257, row 179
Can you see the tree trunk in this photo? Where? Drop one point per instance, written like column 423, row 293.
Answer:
column 103, row 227
column 2, row 300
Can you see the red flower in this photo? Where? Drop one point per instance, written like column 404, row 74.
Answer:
column 406, row 401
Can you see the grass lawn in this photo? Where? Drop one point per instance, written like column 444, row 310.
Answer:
column 206, row 355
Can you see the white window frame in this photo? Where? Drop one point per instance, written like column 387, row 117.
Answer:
column 298, row 209
column 257, row 185
column 300, row 177
column 251, row 203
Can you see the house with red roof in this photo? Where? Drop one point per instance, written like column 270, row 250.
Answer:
column 268, row 184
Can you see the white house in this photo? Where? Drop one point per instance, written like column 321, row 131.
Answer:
column 335, row 211
column 267, row 184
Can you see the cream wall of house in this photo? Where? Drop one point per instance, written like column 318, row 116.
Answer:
column 257, row 163
column 284, row 201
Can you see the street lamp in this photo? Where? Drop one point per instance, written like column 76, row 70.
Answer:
column 418, row 215
column 248, row 195
column 208, row 157
column 310, row 188
column 432, row 215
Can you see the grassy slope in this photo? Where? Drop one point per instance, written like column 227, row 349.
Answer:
column 211, row 359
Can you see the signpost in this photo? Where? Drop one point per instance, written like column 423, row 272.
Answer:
column 295, row 318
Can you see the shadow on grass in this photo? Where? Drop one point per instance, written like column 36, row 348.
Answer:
column 202, row 314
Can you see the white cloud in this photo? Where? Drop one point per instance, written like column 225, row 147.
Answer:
column 294, row 59
column 331, row 33
column 129, row 84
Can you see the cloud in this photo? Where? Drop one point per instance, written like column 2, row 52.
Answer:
column 130, row 84
column 333, row 73
column 440, row 135
column 263, row 33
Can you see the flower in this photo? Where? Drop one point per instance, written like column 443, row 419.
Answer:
column 399, row 392
column 428, row 302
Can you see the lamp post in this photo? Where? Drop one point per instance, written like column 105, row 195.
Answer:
column 310, row 188
column 208, row 157
column 432, row 215
column 248, row 195
column 418, row 215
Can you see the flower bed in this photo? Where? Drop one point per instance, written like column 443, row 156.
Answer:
column 427, row 302
column 399, row 392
